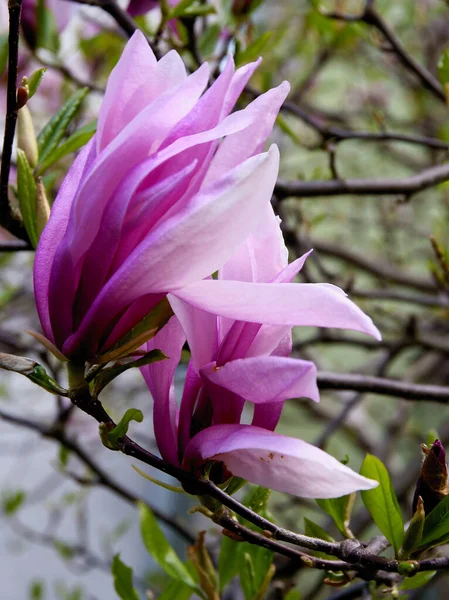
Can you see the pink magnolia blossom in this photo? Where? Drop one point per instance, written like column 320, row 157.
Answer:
column 237, row 361
column 154, row 202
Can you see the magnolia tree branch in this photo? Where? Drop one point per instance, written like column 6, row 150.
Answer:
column 364, row 187
column 370, row 16
column 7, row 219
column 383, row 386
column 56, row 433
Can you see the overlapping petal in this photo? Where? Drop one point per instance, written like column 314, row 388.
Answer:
column 274, row 461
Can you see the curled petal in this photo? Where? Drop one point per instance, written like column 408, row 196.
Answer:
column 265, row 378
column 275, row 461
column 304, row 304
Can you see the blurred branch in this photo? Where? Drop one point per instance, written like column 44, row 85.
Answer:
column 383, row 386
column 370, row 16
column 7, row 219
column 364, row 187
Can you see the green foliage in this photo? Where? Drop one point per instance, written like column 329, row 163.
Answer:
column 121, row 429
column 382, row 502
column 417, row 581
column 3, row 52
column 339, row 509
column 436, row 526
column 71, row 144
column 54, row 130
column 123, row 580
column 107, row 375
column 176, row 590
column 254, row 50
column 443, row 67
column 34, row 81
column 12, row 501
column 47, row 30
column 26, row 192
column 37, row 590
column 159, row 548
column 189, row 8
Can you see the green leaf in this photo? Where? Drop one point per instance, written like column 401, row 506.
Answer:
column 121, row 429
column 74, row 142
column 339, row 509
column 157, row 545
column 180, row 8
column 37, row 590
column 436, row 525
column 54, row 131
column 382, row 503
column 417, row 581
column 34, row 81
column 47, row 29
column 64, row 550
column 123, row 580
column 254, row 50
column 26, row 191
column 12, row 501
column 3, row 52
column 107, row 375
column 443, row 67
column 228, row 561
column 313, row 530
column 176, row 591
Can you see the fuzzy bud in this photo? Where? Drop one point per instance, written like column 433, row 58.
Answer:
column 432, row 484
column 42, row 207
column 26, row 136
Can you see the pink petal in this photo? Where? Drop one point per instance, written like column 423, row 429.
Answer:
column 200, row 329
column 265, row 378
column 275, row 461
column 54, row 233
column 304, row 304
column 159, row 378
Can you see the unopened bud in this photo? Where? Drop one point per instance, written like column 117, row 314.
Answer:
column 42, row 207
column 22, row 96
column 413, row 535
column 26, row 136
column 432, row 484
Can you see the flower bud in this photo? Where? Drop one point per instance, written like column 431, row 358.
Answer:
column 432, row 484
column 26, row 136
column 414, row 532
column 42, row 207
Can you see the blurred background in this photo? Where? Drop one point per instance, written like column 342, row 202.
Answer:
column 367, row 106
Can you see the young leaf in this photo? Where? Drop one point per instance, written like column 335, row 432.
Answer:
column 228, row 561
column 417, row 581
column 436, row 525
column 106, row 376
column 26, row 191
column 254, row 50
column 54, row 131
column 120, row 430
column 12, row 501
column 74, row 142
column 47, row 30
column 176, row 590
column 157, row 545
column 313, row 530
column 34, row 81
column 339, row 509
column 123, row 580
column 382, row 503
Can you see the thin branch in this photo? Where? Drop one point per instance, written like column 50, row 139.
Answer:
column 370, row 16
column 7, row 219
column 364, row 187
column 383, row 386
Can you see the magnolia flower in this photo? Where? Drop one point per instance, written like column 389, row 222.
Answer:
column 237, row 361
column 154, row 202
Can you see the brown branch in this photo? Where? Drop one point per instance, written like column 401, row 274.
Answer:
column 370, row 16
column 364, row 187
column 383, row 386
column 7, row 219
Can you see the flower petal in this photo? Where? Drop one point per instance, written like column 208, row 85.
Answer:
column 265, row 378
column 304, row 304
column 275, row 461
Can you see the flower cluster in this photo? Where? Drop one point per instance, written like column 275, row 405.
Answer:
column 170, row 202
